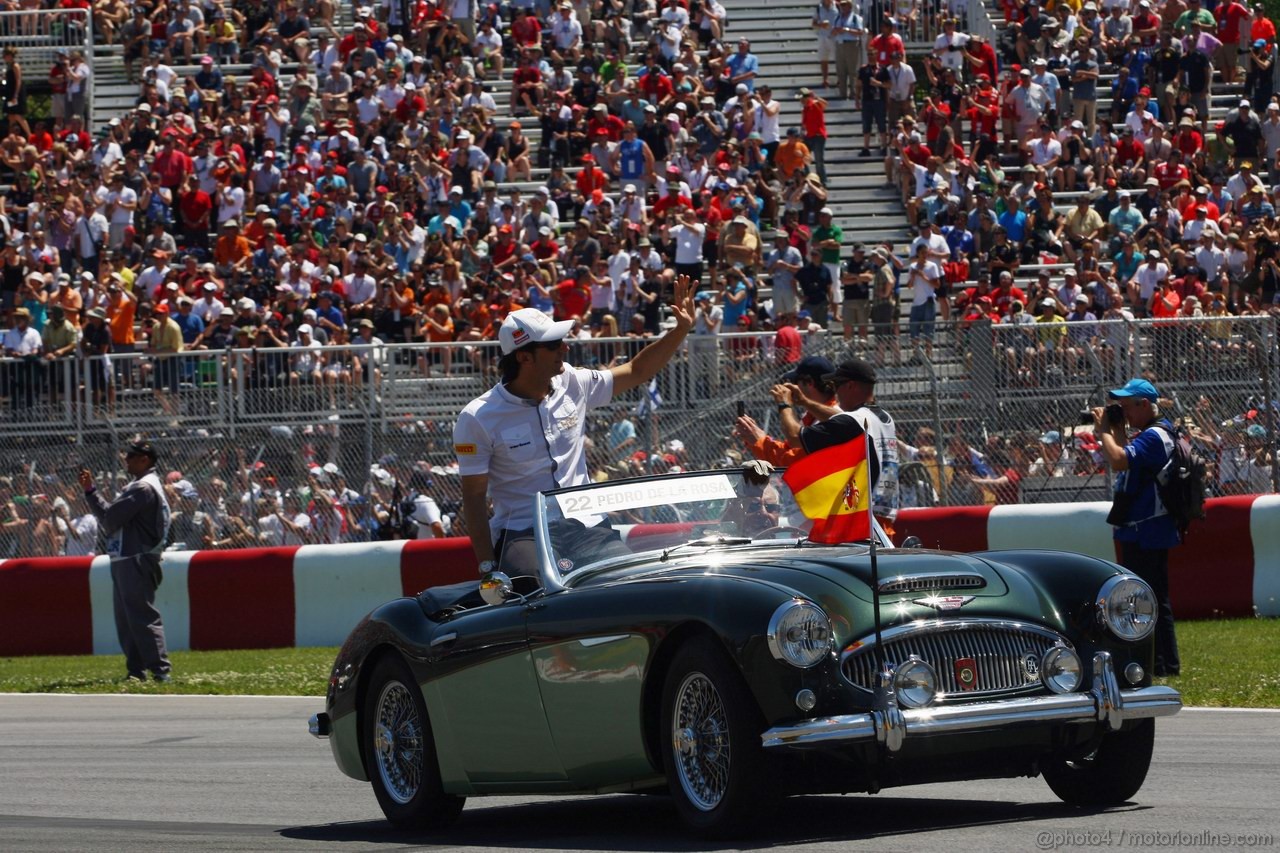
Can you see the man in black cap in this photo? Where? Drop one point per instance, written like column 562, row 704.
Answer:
column 854, row 383
column 136, row 524
column 799, row 386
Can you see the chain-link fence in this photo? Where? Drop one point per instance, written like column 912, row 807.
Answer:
column 336, row 440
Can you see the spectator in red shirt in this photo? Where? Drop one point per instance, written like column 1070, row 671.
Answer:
column 590, row 178
column 572, row 296
column 1233, row 22
column 886, row 44
column 173, row 165
column 602, row 120
column 1171, row 171
column 1187, row 139
column 981, row 57
column 525, row 30
column 1262, row 26
column 813, row 119
column 673, row 200
column 194, row 208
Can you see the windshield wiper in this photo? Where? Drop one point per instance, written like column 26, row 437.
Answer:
column 706, row 542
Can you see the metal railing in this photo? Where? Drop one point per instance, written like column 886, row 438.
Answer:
column 989, row 399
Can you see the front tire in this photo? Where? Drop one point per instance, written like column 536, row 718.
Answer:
column 711, row 750
column 400, row 751
column 1111, row 774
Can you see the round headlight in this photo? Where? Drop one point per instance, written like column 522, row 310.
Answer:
column 916, row 683
column 1060, row 669
column 800, row 634
column 1126, row 607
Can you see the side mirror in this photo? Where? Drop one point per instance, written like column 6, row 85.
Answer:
column 495, row 588
column 911, row 542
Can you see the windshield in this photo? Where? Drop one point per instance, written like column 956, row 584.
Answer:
column 586, row 525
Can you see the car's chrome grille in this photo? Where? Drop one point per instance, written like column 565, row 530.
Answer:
column 1005, row 656
column 927, row 583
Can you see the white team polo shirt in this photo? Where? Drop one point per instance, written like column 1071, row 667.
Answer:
column 525, row 447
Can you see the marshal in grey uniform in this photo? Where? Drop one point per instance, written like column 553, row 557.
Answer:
column 136, row 525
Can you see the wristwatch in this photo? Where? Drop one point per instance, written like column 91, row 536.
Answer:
column 487, row 566
column 782, row 407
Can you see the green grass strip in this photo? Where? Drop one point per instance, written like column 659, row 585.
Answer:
column 1228, row 663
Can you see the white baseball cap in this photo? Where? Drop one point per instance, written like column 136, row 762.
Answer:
column 530, row 326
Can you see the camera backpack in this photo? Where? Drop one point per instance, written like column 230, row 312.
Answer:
column 1181, row 483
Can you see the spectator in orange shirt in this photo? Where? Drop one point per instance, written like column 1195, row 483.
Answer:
column 792, row 155
column 121, row 309
column 232, row 251
column 436, row 327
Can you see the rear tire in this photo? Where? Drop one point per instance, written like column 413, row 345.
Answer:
column 711, row 751
column 400, row 752
column 1111, row 775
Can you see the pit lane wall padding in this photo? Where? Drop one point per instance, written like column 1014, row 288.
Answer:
column 313, row 595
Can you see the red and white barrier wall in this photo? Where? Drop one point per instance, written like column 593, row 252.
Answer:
column 1228, row 566
column 313, row 595
column 254, row 598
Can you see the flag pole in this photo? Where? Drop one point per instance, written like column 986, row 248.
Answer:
column 875, row 569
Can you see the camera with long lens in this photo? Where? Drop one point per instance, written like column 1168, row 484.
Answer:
column 1113, row 415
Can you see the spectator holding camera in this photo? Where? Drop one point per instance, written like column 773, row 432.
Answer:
column 1143, row 526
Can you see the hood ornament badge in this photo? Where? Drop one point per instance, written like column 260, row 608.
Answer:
column 944, row 602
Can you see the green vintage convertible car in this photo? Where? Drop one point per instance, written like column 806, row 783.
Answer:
column 714, row 652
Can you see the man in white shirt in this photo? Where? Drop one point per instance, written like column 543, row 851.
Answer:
column 923, row 278
column 1146, row 280
column 90, row 235
column 566, row 34
column 689, row 235
column 704, row 343
column 824, row 17
column 286, row 526
column 209, row 308
column 506, row 450
column 22, row 343
column 765, row 118
column 360, row 287
column 308, row 358
column 949, row 47
column 122, row 202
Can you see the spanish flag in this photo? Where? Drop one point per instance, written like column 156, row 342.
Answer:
column 833, row 487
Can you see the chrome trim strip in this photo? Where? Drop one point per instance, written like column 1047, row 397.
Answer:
column 590, row 642
column 939, row 625
column 1101, row 704
column 444, row 638
column 932, row 581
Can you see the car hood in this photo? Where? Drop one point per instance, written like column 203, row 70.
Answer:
column 903, row 573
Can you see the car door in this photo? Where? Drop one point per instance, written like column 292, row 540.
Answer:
column 486, row 710
column 590, row 667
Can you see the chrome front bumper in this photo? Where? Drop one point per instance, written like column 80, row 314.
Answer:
column 888, row 724
column 319, row 725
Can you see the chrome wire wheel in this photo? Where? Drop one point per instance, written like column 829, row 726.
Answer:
column 700, row 741
column 398, row 742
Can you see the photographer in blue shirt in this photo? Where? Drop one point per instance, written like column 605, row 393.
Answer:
column 1144, row 529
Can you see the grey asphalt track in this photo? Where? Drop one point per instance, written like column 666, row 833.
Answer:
column 102, row 773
